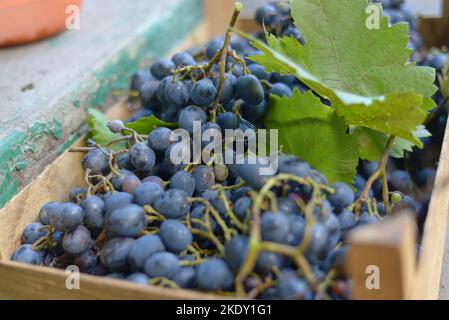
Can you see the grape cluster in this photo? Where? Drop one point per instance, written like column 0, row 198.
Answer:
column 210, row 226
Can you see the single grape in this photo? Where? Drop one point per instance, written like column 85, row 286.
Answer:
column 288, row 206
column 93, row 207
column 114, row 254
column 367, row 218
column 214, row 274
column 124, row 162
column 203, row 92
column 96, row 160
column 26, row 254
column 183, row 180
column 57, row 248
column 347, row 220
column 239, row 193
column 254, row 113
column 77, row 241
column 77, row 194
column 228, row 91
column 33, row 232
column 401, row 181
column 162, row 264
column 281, row 89
column 85, row 261
column 249, row 89
column 396, row 197
column 46, row 210
column 289, row 286
column 177, row 93
column 175, row 235
column 265, row 14
column 173, row 203
column 242, row 208
column 155, row 179
column 138, row 278
column 183, row 59
column 292, row 165
column 139, row 78
column 266, row 261
column 275, row 227
column 116, row 126
column 297, row 229
column 235, row 252
column 426, row 177
column 116, row 200
column 318, row 247
column 185, row 278
column 147, row 193
column 190, row 114
column 259, row 71
column 160, row 93
column 204, row 178
column 162, row 68
column 67, row 217
column 213, row 47
column 142, row 249
column 159, row 139
column 342, row 197
column 130, row 183
column 228, row 120
column 255, row 171
column 294, row 32
column 142, row 157
column 125, row 222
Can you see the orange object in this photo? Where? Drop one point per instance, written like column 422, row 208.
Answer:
column 23, row 21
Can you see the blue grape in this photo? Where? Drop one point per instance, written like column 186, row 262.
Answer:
column 342, row 197
column 235, row 252
column 185, row 278
column 183, row 180
column 289, row 286
column 214, row 275
column 142, row 157
column 162, row 264
column 228, row 120
column 266, row 261
column 77, row 194
column 239, row 193
column 85, row 261
column 204, row 178
column 67, row 217
column 254, row 112
column 57, row 237
column 426, row 177
column 249, row 89
column 347, row 220
column 117, row 181
column 142, row 249
column 259, row 71
column 139, row 78
column 288, row 206
column 130, row 183
column 251, row 171
column 26, row 254
column 213, row 47
column 292, row 165
column 183, row 59
column 138, row 278
column 93, row 207
column 148, row 93
column 114, row 254
column 265, row 14
column 159, row 139
column 228, row 91
column 44, row 212
column 203, row 92
column 275, row 227
column 125, row 222
column 294, row 32
column 160, row 93
column 33, row 232
column 401, row 181
column 198, row 213
column 242, row 208
column 332, row 225
column 281, row 89
column 336, row 259
column 147, row 193
column 221, row 172
column 162, row 68
column 175, row 235
column 173, row 203
column 124, row 162
column 177, row 93
column 318, row 247
column 190, row 114
column 154, row 179
column 366, row 218
column 116, row 200
column 96, row 160
column 98, row 269
column 77, row 241
column 297, row 229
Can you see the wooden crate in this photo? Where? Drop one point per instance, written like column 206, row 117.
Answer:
column 390, row 245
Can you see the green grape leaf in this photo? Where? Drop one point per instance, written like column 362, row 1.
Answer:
column 371, row 143
column 99, row 131
column 361, row 71
column 147, row 124
column 315, row 133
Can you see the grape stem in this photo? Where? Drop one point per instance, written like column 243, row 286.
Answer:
column 381, row 173
column 223, row 55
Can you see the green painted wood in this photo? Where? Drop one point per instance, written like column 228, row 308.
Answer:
column 46, row 87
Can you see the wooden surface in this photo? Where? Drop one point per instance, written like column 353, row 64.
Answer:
column 388, row 246
column 218, row 14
